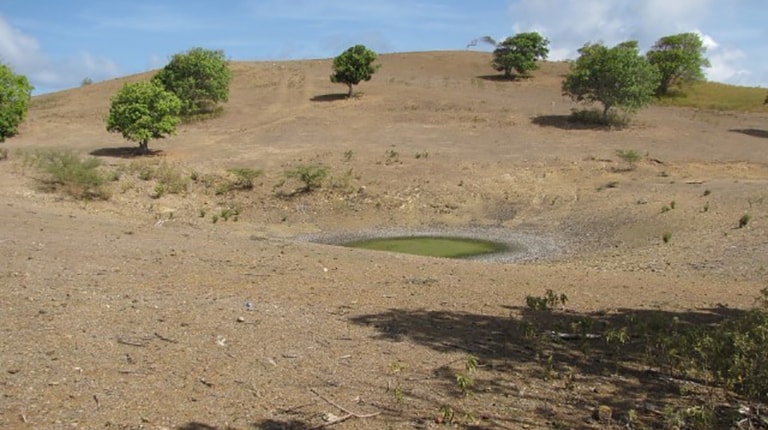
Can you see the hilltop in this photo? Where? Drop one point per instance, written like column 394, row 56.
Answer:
column 141, row 311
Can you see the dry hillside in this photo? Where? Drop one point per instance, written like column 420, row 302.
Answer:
column 142, row 312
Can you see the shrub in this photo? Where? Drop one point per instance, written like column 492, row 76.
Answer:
column 744, row 220
column 15, row 95
column 630, row 157
column 311, row 175
column 77, row 177
column 595, row 117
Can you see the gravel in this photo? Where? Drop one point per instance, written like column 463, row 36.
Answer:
column 526, row 246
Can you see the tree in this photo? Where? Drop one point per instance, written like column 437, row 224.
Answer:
column 679, row 58
column 142, row 111
column 354, row 66
column 15, row 94
column 519, row 54
column 616, row 77
column 199, row 78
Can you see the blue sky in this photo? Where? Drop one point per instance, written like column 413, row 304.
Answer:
column 57, row 44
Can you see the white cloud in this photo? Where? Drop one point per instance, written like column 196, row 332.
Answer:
column 25, row 55
column 569, row 24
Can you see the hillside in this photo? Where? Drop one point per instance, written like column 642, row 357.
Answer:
column 142, row 311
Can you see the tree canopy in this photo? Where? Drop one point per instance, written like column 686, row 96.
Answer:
column 679, row 58
column 353, row 66
column 616, row 77
column 142, row 111
column 15, row 94
column 519, row 54
column 199, row 78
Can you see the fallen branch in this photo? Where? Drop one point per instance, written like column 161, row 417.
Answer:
column 349, row 414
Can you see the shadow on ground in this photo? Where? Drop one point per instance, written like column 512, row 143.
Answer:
column 754, row 132
column 329, row 97
column 499, row 78
column 564, row 122
column 554, row 345
column 124, row 152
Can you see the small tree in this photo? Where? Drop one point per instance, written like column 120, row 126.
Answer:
column 519, row 53
column 616, row 77
column 15, row 94
column 679, row 58
column 142, row 111
column 354, row 66
column 199, row 78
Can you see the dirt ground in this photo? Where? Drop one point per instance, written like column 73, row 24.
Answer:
column 141, row 312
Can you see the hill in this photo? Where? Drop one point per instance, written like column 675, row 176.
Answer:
column 152, row 310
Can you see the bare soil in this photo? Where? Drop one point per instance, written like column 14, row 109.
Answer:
column 141, row 312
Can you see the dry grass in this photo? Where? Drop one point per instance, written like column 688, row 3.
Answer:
column 717, row 96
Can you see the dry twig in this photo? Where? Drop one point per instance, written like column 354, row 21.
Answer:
column 349, row 414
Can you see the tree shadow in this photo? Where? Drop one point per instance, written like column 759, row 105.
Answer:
column 125, row 152
column 201, row 426
column 553, row 342
column 329, row 97
column 281, row 425
column 565, row 122
column 500, row 78
column 754, row 132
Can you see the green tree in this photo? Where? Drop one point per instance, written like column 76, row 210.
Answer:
column 519, row 54
column 15, row 94
column 616, row 77
column 199, row 78
column 679, row 58
column 353, row 66
column 142, row 111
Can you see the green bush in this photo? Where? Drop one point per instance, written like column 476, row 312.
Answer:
column 312, row 175
column 595, row 117
column 65, row 171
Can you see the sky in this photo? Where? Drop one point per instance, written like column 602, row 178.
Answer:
column 57, row 44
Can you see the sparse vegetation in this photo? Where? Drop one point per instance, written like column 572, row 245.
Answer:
column 67, row 172
column 666, row 237
column 630, row 157
column 311, row 175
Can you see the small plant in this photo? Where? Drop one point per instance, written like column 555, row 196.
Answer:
column 392, row 157
column 242, row 178
column 464, row 380
column 630, row 157
column 215, row 219
column 612, row 184
column 422, row 154
column 666, row 237
column 665, row 209
column 229, row 212
column 672, row 204
column 311, row 175
column 3, row 154
column 201, row 213
column 348, row 155
column 744, row 220
column 706, row 207
column 546, row 302
column 447, row 415
column 706, row 193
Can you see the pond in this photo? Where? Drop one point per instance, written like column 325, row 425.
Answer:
column 435, row 246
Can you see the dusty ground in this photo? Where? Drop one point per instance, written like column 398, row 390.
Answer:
column 141, row 312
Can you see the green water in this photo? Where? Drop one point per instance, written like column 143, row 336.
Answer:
column 432, row 246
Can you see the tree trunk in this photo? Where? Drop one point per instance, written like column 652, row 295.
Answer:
column 606, row 108
column 143, row 147
column 351, row 91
